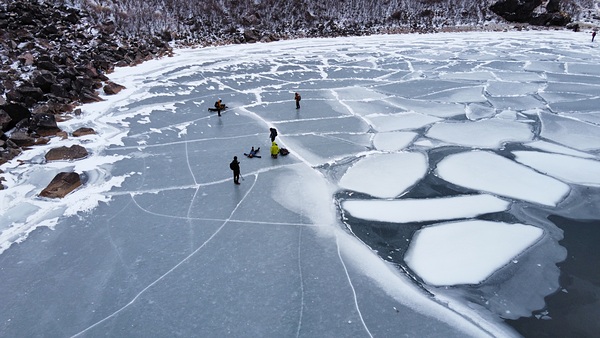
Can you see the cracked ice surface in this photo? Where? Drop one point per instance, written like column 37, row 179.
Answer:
column 159, row 242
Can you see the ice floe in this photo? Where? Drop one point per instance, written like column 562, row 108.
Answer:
column 393, row 141
column 467, row 252
column 401, row 121
column 570, row 132
column 563, row 167
column 385, row 175
column 422, row 210
column 491, row 133
column 486, row 171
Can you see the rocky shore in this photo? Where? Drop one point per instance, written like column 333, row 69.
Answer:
column 52, row 60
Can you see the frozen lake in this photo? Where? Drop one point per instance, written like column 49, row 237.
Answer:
column 439, row 185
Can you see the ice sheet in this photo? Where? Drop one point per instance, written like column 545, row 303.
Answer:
column 467, row 252
column 490, row 133
column 423, row 210
column 475, row 170
column 563, row 167
column 385, row 175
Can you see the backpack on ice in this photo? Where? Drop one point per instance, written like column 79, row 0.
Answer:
column 283, row 151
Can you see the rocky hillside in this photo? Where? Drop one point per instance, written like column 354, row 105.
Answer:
column 238, row 21
column 54, row 55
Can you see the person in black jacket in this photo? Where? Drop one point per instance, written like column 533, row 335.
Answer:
column 273, row 134
column 297, row 97
column 235, row 166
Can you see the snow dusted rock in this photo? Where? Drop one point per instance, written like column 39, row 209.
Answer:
column 66, row 153
column 22, row 139
column 43, row 124
column 62, row 184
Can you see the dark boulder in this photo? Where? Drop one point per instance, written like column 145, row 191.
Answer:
column 22, row 138
column 83, row 131
column 43, row 124
column 8, row 153
column 515, row 10
column 553, row 6
column 47, row 65
column 66, row 153
column 112, row 88
column 44, row 80
column 28, row 95
column 26, row 59
column 4, row 120
column 62, row 184
column 59, row 90
column 524, row 11
column 43, row 120
column 89, row 96
column 17, row 113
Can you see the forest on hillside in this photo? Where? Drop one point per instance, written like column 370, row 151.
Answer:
column 209, row 21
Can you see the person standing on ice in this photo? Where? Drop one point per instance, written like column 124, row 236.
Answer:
column 297, row 97
column 235, row 166
column 274, row 150
column 273, row 134
column 593, row 35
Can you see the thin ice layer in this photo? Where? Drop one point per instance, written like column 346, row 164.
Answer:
column 490, row 133
column 393, row 141
column 565, row 168
column 572, row 133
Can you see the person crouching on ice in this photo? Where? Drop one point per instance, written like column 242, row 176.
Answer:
column 274, row 150
column 218, row 106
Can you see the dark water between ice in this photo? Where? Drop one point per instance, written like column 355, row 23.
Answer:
column 574, row 310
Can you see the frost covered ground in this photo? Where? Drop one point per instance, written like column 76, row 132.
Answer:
column 417, row 199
